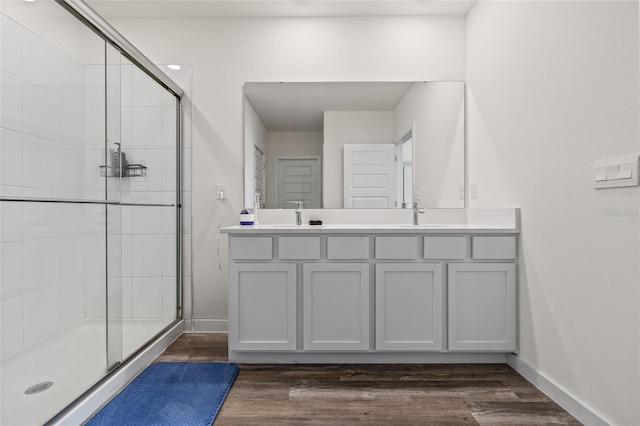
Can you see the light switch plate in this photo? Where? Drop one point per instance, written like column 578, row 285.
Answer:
column 616, row 172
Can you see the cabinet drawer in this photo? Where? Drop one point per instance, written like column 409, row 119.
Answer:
column 290, row 248
column 351, row 248
column 251, row 248
column 396, row 247
column 493, row 247
column 445, row 247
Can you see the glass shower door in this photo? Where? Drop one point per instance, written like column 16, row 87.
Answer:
column 148, row 191
column 59, row 233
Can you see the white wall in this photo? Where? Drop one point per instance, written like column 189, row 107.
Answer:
column 288, row 144
column 225, row 53
column 437, row 109
column 553, row 86
column 349, row 127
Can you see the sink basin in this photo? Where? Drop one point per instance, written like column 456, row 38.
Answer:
column 422, row 226
column 298, row 226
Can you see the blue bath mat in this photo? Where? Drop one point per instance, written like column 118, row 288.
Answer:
column 171, row 394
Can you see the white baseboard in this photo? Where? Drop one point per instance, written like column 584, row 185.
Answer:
column 206, row 326
column 557, row 394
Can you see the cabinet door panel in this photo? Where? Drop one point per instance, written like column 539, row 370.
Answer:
column 262, row 306
column 409, row 306
column 336, row 306
column 482, row 307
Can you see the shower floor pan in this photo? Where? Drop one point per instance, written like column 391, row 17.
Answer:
column 74, row 360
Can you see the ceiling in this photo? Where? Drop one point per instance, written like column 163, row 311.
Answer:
column 301, row 106
column 161, row 9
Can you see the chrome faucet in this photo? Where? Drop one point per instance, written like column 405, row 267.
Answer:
column 416, row 210
column 298, row 212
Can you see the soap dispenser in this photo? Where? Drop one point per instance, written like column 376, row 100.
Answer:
column 246, row 218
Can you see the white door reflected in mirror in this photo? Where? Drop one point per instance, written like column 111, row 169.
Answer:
column 369, row 176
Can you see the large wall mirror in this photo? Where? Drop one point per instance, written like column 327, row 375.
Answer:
column 354, row 144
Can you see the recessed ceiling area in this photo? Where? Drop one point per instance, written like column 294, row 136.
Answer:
column 301, row 106
column 167, row 9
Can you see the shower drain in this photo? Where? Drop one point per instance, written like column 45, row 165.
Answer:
column 38, row 387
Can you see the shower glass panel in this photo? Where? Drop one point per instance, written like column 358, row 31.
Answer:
column 88, row 205
column 149, row 189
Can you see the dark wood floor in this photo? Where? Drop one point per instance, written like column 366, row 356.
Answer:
column 398, row 394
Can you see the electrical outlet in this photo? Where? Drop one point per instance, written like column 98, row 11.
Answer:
column 474, row 190
column 221, row 191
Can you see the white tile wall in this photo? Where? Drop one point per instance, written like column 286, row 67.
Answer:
column 71, row 123
column 152, row 158
column 40, row 112
column 36, row 154
column 169, row 127
column 94, row 80
column 11, row 103
column 11, row 46
column 126, row 297
column 147, row 220
column 168, row 170
column 41, row 313
column 37, row 264
column 11, row 269
column 71, row 74
column 127, row 256
column 146, row 127
column 168, row 213
column 71, row 302
column 146, row 254
column 10, row 157
column 168, row 255
column 144, row 91
column 94, row 297
column 146, row 296
column 40, row 62
column 94, row 255
column 125, row 83
column 94, row 127
column 10, row 220
column 12, row 325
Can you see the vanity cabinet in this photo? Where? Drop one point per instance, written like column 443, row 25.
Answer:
column 482, row 307
column 345, row 295
column 335, row 306
column 409, row 304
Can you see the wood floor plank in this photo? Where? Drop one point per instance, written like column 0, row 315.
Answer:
column 372, row 394
column 520, row 413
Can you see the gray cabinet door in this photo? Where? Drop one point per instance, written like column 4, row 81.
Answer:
column 336, row 306
column 482, row 307
column 409, row 306
column 262, row 306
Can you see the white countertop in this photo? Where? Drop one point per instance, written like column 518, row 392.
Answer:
column 385, row 221
column 369, row 228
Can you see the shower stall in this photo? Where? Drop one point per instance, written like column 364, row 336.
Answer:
column 90, row 206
